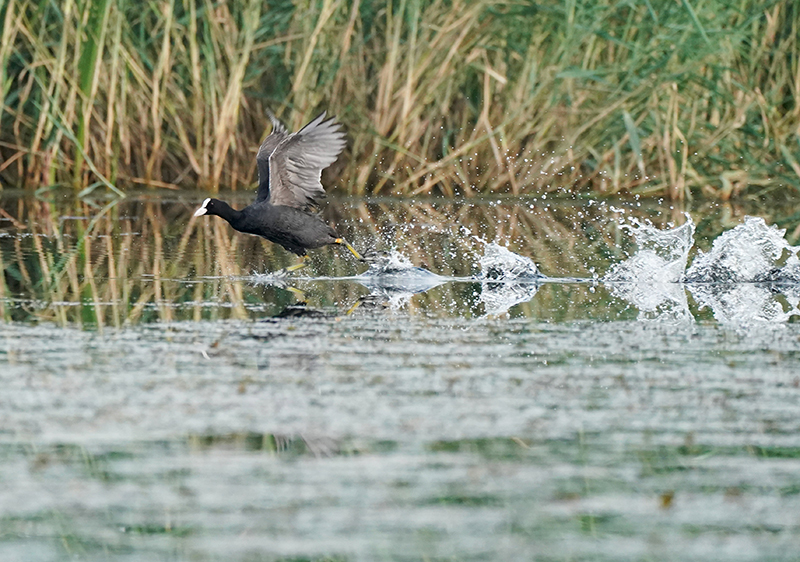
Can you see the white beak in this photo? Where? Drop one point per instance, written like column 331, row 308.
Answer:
column 202, row 210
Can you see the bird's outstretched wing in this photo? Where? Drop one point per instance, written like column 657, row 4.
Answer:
column 278, row 134
column 296, row 164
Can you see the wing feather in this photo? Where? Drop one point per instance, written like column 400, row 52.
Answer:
column 296, row 163
column 278, row 134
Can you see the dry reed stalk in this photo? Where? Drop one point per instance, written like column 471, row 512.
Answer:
column 229, row 110
column 573, row 97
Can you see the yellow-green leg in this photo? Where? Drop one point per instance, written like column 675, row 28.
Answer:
column 347, row 245
column 300, row 265
column 299, row 295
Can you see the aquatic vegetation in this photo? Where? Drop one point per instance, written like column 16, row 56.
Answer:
column 398, row 440
column 661, row 97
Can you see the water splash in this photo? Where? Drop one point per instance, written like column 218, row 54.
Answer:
column 664, row 302
column 497, row 298
column 661, row 256
column 500, row 264
column 649, row 279
column 749, row 252
column 280, row 278
column 380, row 298
column 739, row 279
column 507, row 279
column 382, row 262
column 747, row 304
column 393, row 279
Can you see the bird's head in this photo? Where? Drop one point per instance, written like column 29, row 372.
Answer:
column 207, row 208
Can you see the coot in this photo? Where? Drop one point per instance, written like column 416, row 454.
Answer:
column 289, row 170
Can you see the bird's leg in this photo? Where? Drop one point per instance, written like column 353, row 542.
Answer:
column 300, row 265
column 353, row 308
column 347, row 245
column 299, row 295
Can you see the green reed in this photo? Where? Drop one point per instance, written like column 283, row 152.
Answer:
column 667, row 98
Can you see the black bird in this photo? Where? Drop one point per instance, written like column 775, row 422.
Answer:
column 289, row 170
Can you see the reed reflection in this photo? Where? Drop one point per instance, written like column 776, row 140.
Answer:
column 148, row 259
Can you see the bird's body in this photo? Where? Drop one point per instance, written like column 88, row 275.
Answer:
column 289, row 170
column 295, row 230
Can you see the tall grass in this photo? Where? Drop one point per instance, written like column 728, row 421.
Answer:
column 668, row 98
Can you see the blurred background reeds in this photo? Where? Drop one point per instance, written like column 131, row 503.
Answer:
column 676, row 98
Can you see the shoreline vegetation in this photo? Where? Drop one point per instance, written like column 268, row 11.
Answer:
column 670, row 98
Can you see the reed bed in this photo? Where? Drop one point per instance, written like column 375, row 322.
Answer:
column 453, row 97
column 439, row 97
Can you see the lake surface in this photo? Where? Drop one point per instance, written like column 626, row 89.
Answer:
column 508, row 380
